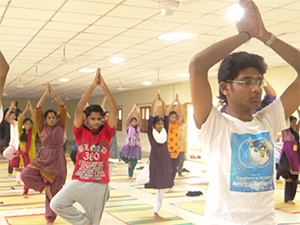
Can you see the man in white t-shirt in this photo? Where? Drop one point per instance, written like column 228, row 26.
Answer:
column 237, row 146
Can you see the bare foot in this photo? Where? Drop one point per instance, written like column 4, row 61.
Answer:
column 48, row 192
column 25, row 196
column 169, row 190
column 158, row 217
column 289, row 180
column 48, row 223
column 278, row 181
column 129, row 164
column 9, row 175
column 290, row 202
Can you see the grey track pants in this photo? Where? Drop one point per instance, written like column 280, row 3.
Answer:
column 92, row 197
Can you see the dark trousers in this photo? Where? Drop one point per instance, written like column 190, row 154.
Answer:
column 65, row 145
column 291, row 188
column 277, row 174
column 73, row 156
column 3, row 145
column 174, row 167
column 181, row 159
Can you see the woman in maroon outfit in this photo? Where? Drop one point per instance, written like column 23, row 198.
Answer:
column 160, row 161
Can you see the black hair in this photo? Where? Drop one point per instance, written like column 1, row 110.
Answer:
column 13, row 112
column 49, row 111
column 23, row 136
column 105, row 113
column 234, row 63
column 172, row 113
column 157, row 119
column 133, row 118
column 292, row 118
column 93, row 108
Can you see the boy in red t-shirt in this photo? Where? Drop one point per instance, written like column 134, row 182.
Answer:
column 89, row 185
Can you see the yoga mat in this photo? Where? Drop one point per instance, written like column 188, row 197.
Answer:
column 192, row 206
column 4, row 174
column 18, row 202
column 199, row 206
column 177, row 192
column 280, row 205
column 6, row 185
column 34, row 219
column 280, row 186
column 4, row 165
column 143, row 214
column 122, row 178
column 203, row 185
column 115, row 195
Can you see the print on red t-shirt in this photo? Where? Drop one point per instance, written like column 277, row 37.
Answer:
column 93, row 153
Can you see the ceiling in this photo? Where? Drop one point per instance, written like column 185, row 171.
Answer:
column 32, row 32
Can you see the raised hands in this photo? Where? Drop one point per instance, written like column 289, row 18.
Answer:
column 160, row 97
column 13, row 105
column 133, row 108
column 251, row 21
column 98, row 80
column 51, row 90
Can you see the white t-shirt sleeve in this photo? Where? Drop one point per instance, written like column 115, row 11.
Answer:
column 212, row 127
column 273, row 117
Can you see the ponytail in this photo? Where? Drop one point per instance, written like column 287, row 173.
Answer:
column 23, row 136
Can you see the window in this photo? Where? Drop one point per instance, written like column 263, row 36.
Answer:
column 120, row 116
column 145, row 112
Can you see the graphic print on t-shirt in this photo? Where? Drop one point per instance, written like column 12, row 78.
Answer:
column 252, row 163
column 90, row 161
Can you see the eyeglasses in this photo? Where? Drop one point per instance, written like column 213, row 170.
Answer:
column 248, row 83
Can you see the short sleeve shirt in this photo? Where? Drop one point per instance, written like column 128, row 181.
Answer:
column 240, row 162
column 92, row 154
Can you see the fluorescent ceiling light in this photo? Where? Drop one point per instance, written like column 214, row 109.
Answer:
column 183, row 75
column 176, row 36
column 64, row 80
column 147, row 83
column 116, row 60
column 235, row 13
column 87, row 70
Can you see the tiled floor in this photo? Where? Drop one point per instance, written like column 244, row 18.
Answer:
column 129, row 203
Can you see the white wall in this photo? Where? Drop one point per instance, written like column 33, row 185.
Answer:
column 280, row 78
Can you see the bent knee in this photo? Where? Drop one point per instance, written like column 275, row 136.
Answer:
column 54, row 205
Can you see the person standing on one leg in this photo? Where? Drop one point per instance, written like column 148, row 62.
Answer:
column 237, row 146
column 160, row 162
column 131, row 150
column 291, row 153
column 26, row 150
column 49, row 170
column 173, row 136
column 89, row 185
column 14, row 137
